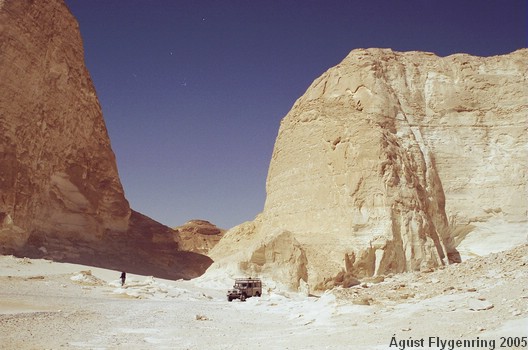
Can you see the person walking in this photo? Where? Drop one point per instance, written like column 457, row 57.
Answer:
column 123, row 278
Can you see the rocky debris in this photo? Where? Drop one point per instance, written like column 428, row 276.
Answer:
column 384, row 163
column 479, row 304
column 482, row 283
column 87, row 278
column 198, row 236
column 362, row 301
column 61, row 196
column 342, row 279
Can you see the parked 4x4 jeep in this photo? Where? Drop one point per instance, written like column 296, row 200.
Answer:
column 245, row 288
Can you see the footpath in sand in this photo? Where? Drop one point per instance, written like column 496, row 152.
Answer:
column 481, row 303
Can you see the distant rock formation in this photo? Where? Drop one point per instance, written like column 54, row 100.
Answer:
column 383, row 161
column 198, row 236
column 60, row 193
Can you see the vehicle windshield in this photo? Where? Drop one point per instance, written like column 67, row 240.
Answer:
column 240, row 285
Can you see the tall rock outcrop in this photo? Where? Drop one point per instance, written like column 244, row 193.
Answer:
column 58, row 171
column 386, row 157
column 199, row 236
column 60, row 193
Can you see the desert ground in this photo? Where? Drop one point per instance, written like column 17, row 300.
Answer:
column 480, row 303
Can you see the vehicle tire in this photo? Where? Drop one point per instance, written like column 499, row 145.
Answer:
column 243, row 297
column 229, row 299
column 257, row 294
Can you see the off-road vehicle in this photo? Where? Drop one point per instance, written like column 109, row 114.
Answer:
column 245, row 288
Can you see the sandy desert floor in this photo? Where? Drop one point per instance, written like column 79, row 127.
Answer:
column 481, row 303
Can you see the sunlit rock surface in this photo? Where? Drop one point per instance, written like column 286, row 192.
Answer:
column 60, row 193
column 387, row 160
column 198, row 236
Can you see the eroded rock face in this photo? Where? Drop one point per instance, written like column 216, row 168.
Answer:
column 57, row 170
column 388, row 155
column 253, row 249
column 198, row 236
column 60, row 193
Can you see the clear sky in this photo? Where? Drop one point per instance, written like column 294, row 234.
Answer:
column 193, row 91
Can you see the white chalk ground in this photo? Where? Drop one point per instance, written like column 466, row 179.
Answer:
column 493, row 236
column 48, row 305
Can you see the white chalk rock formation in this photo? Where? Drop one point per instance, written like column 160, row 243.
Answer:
column 386, row 158
column 271, row 252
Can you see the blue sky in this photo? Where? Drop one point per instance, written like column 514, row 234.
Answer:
column 193, row 92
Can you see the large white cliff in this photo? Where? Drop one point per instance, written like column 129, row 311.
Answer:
column 384, row 164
